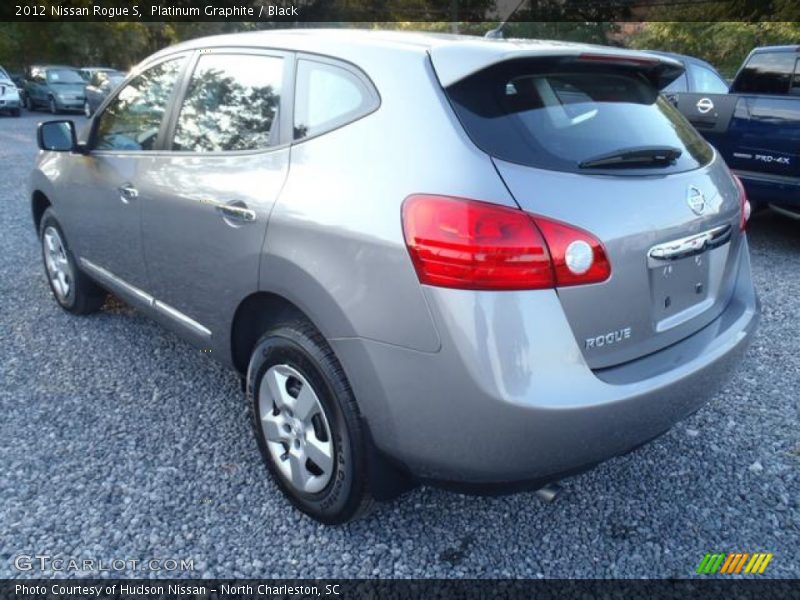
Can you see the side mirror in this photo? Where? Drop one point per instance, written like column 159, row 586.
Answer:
column 57, row 136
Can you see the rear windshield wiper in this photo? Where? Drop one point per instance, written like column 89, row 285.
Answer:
column 642, row 156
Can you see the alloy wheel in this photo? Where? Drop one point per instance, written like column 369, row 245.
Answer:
column 58, row 268
column 296, row 429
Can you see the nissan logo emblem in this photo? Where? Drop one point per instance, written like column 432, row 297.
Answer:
column 705, row 105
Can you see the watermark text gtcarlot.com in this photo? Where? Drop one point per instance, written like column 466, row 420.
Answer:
column 48, row 563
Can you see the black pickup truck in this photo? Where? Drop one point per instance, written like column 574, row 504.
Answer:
column 756, row 126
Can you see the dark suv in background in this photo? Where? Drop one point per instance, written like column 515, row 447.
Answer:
column 755, row 125
column 55, row 87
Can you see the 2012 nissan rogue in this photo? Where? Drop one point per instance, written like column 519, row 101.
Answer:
column 478, row 263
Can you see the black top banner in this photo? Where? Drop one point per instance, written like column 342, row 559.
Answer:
column 319, row 11
column 216, row 589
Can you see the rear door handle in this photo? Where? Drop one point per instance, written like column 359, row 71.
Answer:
column 236, row 211
column 127, row 192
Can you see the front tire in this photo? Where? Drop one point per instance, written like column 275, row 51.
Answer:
column 53, row 106
column 74, row 291
column 307, row 424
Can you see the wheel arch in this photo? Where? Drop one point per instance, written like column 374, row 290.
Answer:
column 39, row 203
column 254, row 315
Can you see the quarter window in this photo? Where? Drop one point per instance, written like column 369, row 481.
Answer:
column 133, row 119
column 327, row 97
column 707, row 82
column 795, row 91
column 677, row 86
column 231, row 104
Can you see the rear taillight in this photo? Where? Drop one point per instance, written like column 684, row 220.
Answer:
column 467, row 244
column 744, row 204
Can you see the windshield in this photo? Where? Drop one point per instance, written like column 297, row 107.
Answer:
column 558, row 117
column 64, row 76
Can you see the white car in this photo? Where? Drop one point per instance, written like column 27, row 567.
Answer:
column 9, row 95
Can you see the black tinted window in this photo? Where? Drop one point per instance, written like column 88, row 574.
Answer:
column 326, row 97
column 559, row 119
column 767, row 73
column 132, row 120
column 231, row 104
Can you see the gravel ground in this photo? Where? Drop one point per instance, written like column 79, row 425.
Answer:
column 119, row 441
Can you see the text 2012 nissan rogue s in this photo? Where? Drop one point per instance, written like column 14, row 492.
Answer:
column 478, row 263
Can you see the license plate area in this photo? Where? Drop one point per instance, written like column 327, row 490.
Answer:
column 685, row 277
column 679, row 285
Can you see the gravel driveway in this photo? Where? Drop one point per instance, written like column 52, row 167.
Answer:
column 119, row 441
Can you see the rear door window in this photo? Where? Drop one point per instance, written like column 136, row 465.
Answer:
column 536, row 115
column 767, row 73
column 231, row 104
column 328, row 96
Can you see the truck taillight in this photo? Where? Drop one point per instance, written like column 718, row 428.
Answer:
column 746, row 209
column 468, row 244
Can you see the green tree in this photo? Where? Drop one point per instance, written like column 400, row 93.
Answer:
column 724, row 44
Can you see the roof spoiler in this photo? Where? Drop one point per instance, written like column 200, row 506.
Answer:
column 454, row 62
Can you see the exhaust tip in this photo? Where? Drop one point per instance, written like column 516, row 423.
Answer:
column 550, row 492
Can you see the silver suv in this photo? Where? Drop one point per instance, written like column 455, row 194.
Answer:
column 478, row 263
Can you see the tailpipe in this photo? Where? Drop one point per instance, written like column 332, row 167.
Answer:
column 550, row 492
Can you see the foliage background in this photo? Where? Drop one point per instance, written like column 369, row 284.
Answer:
column 123, row 44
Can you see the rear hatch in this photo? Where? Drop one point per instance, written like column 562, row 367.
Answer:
column 586, row 139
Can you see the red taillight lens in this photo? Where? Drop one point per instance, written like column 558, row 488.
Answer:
column 466, row 244
column 473, row 245
column 744, row 203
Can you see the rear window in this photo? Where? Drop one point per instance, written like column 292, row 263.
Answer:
column 556, row 118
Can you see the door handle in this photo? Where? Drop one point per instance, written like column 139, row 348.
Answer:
column 237, row 212
column 127, row 192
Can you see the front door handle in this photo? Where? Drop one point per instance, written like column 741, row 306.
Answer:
column 127, row 192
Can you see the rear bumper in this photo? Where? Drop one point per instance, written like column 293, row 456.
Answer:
column 772, row 189
column 509, row 398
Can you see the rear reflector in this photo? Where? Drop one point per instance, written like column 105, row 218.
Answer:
column 746, row 209
column 467, row 244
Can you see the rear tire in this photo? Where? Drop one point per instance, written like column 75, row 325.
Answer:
column 302, row 408
column 74, row 291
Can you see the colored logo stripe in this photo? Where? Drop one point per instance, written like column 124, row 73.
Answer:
column 734, row 562
column 710, row 563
